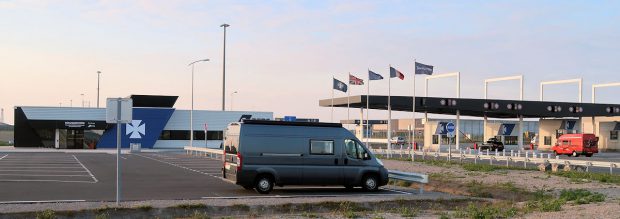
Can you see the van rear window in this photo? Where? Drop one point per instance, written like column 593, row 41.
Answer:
column 321, row 147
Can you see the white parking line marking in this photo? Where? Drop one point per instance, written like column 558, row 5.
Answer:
column 42, row 167
column 392, row 190
column 89, row 173
column 47, row 171
column 44, row 201
column 3, row 157
column 6, row 174
column 44, row 180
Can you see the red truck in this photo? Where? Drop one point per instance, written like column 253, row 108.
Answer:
column 576, row 144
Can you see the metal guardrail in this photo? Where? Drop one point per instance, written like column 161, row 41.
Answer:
column 409, row 177
column 503, row 157
column 208, row 152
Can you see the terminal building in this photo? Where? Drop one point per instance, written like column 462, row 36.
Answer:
column 503, row 119
column 156, row 124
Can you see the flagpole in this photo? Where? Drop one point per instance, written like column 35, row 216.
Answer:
column 332, row 117
column 367, row 110
column 413, row 108
column 389, row 128
column 348, row 102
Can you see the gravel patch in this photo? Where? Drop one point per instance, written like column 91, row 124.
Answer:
column 530, row 180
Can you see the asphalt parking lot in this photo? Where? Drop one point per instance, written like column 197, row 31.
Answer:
column 43, row 177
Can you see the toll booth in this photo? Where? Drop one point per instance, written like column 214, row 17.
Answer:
column 551, row 129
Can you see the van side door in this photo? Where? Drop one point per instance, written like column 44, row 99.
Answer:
column 354, row 163
column 322, row 165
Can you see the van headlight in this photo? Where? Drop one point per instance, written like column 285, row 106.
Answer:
column 379, row 161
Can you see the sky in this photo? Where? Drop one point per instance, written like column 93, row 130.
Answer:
column 282, row 55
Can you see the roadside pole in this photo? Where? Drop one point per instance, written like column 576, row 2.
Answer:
column 119, row 111
column 118, row 151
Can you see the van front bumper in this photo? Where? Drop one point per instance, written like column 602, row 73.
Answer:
column 383, row 176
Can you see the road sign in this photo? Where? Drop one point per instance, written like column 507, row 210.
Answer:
column 450, row 128
column 119, row 111
column 111, row 113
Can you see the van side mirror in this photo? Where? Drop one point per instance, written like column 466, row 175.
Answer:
column 366, row 156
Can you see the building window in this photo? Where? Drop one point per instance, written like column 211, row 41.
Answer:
column 435, row 139
column 547, row 140
column 321, row 147
column 613, row 135
column 511, row 140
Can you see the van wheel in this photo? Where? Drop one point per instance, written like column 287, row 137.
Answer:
column 575, row 154
column 370, row 183
column 264, row 184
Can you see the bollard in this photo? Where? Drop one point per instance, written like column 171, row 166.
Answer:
column 525, row 161
column 476, row 159
column 512, row 153
column 503, row 153
column 519, row 153
column 507, row 159
column 611, row 168
column 491, row 160
column 487, row 152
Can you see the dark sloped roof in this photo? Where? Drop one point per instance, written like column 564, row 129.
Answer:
column 154, row 100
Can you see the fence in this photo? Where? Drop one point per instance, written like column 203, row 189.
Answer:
column 497, row 157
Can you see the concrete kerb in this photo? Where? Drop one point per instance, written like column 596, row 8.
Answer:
column 80, row 205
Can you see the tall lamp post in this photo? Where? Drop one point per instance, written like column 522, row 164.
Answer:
column 82, row 100
column 98, row 76
column 231, row 100
column 191, row 112
column 224, row 70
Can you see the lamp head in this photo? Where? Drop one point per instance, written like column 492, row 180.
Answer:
column 225, row 25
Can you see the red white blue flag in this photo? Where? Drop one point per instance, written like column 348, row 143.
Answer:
column 396, row 73
column 355, row 80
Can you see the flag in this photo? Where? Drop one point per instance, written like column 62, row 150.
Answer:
column 374, row 76
column 339, row 85
column 422, row 69
column 355, row 80
column 396, row 73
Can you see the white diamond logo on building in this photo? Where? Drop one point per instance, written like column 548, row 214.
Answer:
column 135, row 129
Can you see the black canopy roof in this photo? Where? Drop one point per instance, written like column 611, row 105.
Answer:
column 153, row 101
column 495, row 108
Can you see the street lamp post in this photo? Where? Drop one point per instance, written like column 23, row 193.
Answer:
column 231, row 100
column 191, row 112
column 82, row 95
column 98, row 76
column 224, row 70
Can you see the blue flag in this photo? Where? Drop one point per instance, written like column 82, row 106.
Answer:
column 374, row 76
column 422, row 69
column 339, row 85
